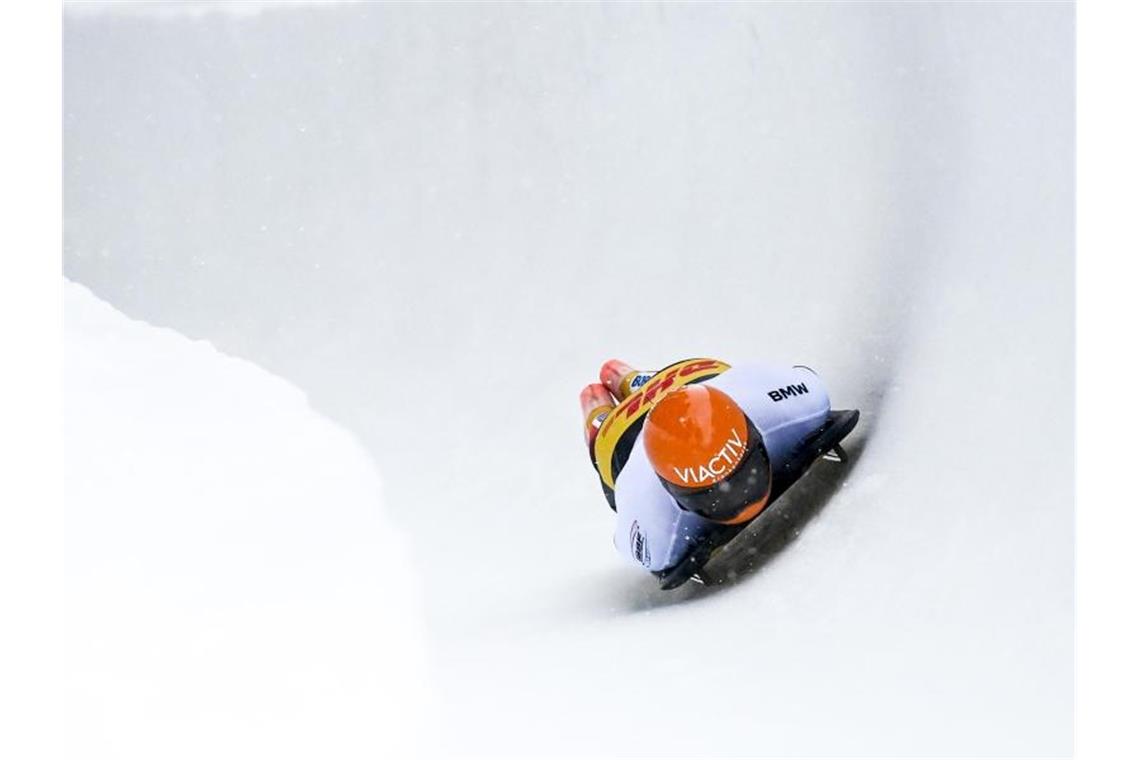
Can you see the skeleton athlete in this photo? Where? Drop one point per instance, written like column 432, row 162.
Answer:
column 692, row 453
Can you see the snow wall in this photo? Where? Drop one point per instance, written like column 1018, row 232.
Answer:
column 437, row 220
column 231, row 582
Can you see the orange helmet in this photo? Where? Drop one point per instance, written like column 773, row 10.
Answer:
column 708, row 454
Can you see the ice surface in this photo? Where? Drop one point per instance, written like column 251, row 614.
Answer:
column 232, row 586
column 438, row 220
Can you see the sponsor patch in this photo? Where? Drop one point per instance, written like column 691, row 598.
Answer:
column 639, row 544
column 720, row 464
column 779, row 394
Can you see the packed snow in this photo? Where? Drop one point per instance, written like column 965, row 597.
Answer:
column 438, row 220
column 232, row 585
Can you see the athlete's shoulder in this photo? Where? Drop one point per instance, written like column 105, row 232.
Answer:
column 622, row 426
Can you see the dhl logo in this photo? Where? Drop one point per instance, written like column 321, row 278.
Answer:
column 636, row 406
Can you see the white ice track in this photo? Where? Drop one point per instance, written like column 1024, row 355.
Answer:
column 438, row 220
column 199, row 566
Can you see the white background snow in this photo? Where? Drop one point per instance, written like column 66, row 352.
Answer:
column 436, row 221
column 229, row 573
